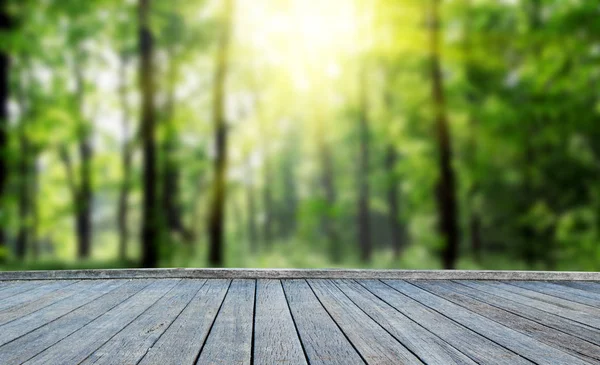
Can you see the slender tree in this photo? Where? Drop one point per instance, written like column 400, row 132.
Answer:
column 23, row 171
column 446, row 190
column 150, row 216
column 80, row 180
column 396, row 229
column 216, row 223
column 364, row 228
column 251, row 207
column 6, row 25
column 330, row 194
column 474, row 101
column 126, row 162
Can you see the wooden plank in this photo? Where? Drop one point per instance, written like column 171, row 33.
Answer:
column 33, row 294
column 230, row 338
column 592, row 287
column 21, row 326
column 39, row 302
column 427, row 346
column 182, row 273
column 322, row 340
column 546, row 303
column 550, row 336
column 564, row 292
column 275, row 338
column 375, row 344
column 500, row 299
column 34, row 342
column 193, row 325
column 538, row 296
column 479, row 348
column 527, row 347
column 81, row 343
column 131, row 343
column 10, row 288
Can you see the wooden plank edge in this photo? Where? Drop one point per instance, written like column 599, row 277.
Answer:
column 299, row 274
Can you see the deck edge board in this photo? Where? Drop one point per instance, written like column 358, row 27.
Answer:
column 299, row 274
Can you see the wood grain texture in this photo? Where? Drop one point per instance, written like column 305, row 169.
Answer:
column 182, row 341
column 34, row 294
column 571, row 294
column 275, row 338
column 477, row 347
column 182, row 273
column 372, row 341
column 39, row 302
column 568, row 343
column 168, row 321
column 517, row 306
column 11, row 288
column 525, row 346
column 81, row 343
column 593, row 287
column 427, row 346
column 578, row 313
column 134, row 340
column 24, row 348
column 230, row 338
column 323, row 341
column 27, row 323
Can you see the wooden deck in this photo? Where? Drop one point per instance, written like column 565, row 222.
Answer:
column 299, row 317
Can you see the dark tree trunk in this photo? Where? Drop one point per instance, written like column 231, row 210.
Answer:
column 84, row 195
column 531, row 253
column 150, row 215
column 474, row 103
column 364, row 229
column 268, row 202
column 328, row 183
column 35, row 214
column 290, row 198
column 216, row 223
column 251, row 215
column 446, row 190
column 24, row 191
column 396, row 231
column 126, row 165
column 84, row 205
column 5, row 26
column 171, row 204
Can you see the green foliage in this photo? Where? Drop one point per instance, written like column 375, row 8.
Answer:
column 521, row 88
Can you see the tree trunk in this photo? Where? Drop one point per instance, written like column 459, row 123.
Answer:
column 24, row 191
column 126, row 165
column 84, row 195
column 150, row 215
column 268, row 201
column 251, row 215
column 396, row 231
column 474, row 102
column 531, row 251
column 290, row 192
column 216, row 223
column 446, row 191
column 5, row 26
column 364, row 229
column 85, row 201
column 171, row 204
column 35, row 214
column 327, row 181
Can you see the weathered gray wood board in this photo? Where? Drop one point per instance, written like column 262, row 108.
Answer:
column 230, row 338
column 273, row 325
column 372, row 317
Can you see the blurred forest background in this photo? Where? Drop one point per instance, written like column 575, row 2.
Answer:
column 300, row 133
